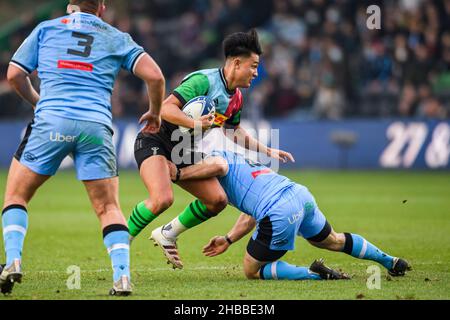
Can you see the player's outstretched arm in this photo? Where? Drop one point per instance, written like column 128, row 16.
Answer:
column 219, row 244
column 148, row 70
column 21, row 83
column 210, row 167
column 245, row 140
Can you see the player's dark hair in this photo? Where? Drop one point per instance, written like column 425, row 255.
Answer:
column 90, row 6
column 242, row 44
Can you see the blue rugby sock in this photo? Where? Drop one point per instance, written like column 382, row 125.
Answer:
column 117, row 242
column 358, row 247
column 15, row 224
column 280, row 270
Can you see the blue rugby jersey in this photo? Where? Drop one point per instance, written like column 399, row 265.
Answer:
column 251, row 187
column 77, row 58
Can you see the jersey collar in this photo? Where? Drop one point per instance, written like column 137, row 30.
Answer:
column 224, row 82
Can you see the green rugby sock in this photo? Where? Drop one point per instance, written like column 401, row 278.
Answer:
column 196, row 213
column 139, row 219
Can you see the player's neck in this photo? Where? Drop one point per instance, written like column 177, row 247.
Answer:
column 77, row 9
column 229, row 79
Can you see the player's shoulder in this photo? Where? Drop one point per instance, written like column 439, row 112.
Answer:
column 201, row 74
column 197, row 78
column 49, row 23
column 212, row 71
column 122, row 35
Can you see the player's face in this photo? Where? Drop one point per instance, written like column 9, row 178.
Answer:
column 247, row 70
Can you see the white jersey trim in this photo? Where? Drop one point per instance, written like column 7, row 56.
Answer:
column 137, row 61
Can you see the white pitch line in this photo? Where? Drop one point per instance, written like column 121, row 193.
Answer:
column 133, row 270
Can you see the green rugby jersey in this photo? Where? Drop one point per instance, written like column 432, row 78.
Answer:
column 211, row 83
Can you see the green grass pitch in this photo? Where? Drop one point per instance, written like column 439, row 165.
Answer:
column 63, row 231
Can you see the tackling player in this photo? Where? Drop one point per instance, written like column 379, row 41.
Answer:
column 221, row 85
column 78, row 57
column 282, row 210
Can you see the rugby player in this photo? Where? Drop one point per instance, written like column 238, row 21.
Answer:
column 78, row 57
column 221, row 85
column 281, row 210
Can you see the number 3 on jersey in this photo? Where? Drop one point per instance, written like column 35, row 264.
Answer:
column 86, row 42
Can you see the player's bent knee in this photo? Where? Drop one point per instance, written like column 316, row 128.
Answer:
column 251, row 272
column 222, row 169
column 252, row 275
column 251, row 267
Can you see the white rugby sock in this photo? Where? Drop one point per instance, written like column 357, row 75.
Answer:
column 173, row 229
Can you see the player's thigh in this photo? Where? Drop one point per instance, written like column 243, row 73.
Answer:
column 21, row 184
column 151, row 153
column 209, row 191
column 94, row 154
column 270, row 241
column 314, row 225
column 47, row 141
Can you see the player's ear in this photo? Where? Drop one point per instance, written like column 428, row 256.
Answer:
column 237, row 62
column 102, row 9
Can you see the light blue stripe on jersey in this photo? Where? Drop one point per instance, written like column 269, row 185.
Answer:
column 78, row 58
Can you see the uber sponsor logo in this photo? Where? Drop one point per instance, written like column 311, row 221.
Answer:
column 58, row 137
column 295, row 217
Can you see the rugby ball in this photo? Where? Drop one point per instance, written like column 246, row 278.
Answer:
column 197, row 108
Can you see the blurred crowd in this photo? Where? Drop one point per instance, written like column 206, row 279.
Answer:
column 320, row 60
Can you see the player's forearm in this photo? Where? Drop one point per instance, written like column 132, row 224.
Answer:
column 172, row 113
column 22, row 85
column 245, row 140
column 156, row 92
column 204, row 170
column 243, row 226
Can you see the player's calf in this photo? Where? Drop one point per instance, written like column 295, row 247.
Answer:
column 147, row 211
column 117, row 243
column 280, row 270
column 15, row 225
column 333, row 242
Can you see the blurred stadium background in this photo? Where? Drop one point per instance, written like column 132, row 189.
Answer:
column 342, row 96
column 351, row 96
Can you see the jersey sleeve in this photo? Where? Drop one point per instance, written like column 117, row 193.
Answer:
column 194, row 86
column 132, row 54
column 27, row 56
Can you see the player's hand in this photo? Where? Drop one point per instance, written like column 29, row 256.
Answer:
column 216, row 246
column 153, row 123
column 206, row 122
column 173, row 170
column 281, row 155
